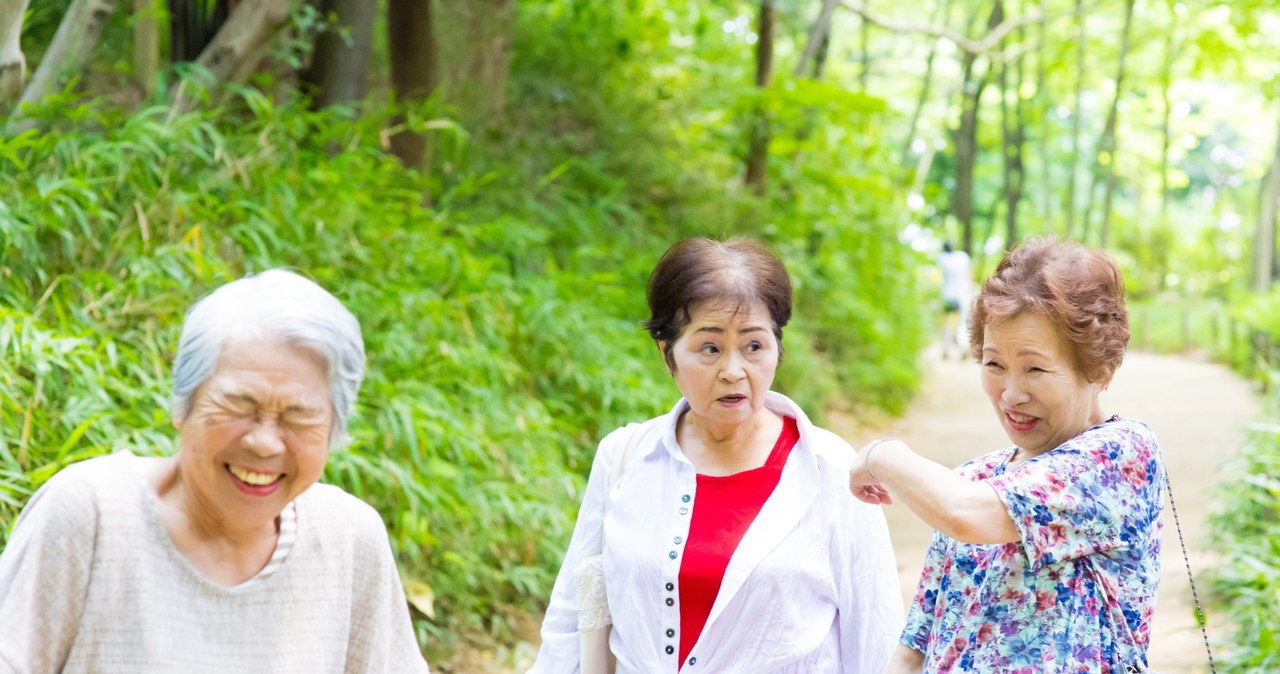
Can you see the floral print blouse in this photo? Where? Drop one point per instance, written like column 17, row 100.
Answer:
column 1077, row 592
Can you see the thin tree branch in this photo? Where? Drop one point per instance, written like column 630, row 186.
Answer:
column 983, row 46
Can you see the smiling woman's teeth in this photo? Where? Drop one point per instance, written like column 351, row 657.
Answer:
column 1021, row 418
column 257, row 479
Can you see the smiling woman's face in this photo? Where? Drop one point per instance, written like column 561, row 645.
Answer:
column 1029, row 376
column 258, row 432
column 725, row 360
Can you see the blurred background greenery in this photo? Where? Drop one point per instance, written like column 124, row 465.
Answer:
column 487, row 183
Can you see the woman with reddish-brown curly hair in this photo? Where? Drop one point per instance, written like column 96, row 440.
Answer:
column 1047, row 553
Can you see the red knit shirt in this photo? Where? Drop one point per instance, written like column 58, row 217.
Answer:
column 726, row 507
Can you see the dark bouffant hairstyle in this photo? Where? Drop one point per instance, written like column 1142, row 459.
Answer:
column 736, row 272
column 1078, row 288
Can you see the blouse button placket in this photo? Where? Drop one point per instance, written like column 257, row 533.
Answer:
column 681, row 525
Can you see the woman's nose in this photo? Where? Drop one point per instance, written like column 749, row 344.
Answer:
column 731, row 367
column 1015, row 393
column 266, row 438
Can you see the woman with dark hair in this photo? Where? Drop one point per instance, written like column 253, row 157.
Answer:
column 730, row 541
column 1047, row 553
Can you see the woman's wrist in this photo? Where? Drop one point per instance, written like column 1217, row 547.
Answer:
column 869, row 453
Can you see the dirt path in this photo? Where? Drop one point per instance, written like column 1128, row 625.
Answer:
column 1197, row 410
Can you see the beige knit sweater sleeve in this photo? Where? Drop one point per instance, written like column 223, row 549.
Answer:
column 51, row 547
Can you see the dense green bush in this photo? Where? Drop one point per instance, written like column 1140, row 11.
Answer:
column 1245, row 522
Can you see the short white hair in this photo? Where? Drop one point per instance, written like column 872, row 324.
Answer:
column 275, row 303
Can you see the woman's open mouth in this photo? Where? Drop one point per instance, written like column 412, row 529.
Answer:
column 253, row 482
column 733, row 400
column 1022, row 423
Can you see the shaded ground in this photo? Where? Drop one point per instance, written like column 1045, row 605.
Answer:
column 1198, row 411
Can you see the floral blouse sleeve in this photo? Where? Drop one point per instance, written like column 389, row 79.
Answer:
column 920, row 615
column 1092, row 495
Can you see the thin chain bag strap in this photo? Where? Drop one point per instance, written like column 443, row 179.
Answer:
column 1136, row 666
column 1195, row 596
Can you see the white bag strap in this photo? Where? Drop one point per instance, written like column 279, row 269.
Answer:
column 632, row 431
column 620, row 460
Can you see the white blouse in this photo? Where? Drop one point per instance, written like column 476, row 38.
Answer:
column 812, row 587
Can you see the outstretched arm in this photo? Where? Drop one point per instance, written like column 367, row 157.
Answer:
column 968, row 511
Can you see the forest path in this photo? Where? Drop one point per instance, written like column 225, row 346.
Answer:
column 1198, row 411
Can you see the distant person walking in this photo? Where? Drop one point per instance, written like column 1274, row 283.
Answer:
column 957, row 289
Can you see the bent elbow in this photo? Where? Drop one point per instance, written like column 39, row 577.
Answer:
column 961, row 528
column 977, row 527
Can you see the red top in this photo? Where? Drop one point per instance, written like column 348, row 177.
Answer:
column 726, row 507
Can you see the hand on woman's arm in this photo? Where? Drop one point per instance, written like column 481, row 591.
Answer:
column 965, row 510
column 906, row 661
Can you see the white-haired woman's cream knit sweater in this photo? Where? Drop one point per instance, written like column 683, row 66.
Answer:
column 91, row 582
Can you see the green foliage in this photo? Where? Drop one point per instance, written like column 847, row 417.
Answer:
column 1245, row 522
column 1173, row 323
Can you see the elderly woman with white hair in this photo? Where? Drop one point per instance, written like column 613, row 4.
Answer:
column 228, row 556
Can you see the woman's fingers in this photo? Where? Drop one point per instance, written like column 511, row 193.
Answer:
column 873, row 494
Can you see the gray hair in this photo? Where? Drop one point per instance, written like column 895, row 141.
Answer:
column 280, row 304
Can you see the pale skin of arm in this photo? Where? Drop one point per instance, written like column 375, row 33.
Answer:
column 967, row 511
column 906, row 660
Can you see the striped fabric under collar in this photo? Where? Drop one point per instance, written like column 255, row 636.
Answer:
column 284, row 543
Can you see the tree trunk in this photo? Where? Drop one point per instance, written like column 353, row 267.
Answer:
column 819, row 35
column 864, row 31
column 1109, row 142
column 965, row 137
column 1076, row 121
column 1044, row 104
column 340, row 64
column 76, row 36
column 475, row 38
column 943, row 8
column 1012, row 127
column 13, row 67
column 1264, row 238
column 415, row 71
column 146, row 44
column 758, row 152
column 1166, row 81
column 238, row 45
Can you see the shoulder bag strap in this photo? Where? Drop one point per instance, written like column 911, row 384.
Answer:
column 1187, row 559
column 1123, row 627
column 631, row 430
